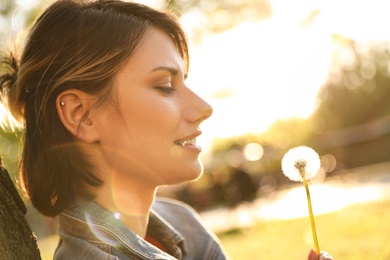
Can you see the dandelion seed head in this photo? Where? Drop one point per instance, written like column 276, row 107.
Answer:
column 299, row 162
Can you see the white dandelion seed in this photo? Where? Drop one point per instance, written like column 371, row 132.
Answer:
column 299, row 162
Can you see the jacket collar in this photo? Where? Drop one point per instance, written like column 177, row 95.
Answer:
column 91, row 222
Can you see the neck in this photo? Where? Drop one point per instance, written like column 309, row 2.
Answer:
column 130, row 200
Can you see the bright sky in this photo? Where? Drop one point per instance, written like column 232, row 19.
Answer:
column 260, row 72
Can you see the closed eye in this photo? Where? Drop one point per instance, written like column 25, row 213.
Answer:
column 165, row 90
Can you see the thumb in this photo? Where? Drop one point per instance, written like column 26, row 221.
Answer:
column 325, row 256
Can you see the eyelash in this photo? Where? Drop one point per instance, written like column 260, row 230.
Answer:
column 165, row 90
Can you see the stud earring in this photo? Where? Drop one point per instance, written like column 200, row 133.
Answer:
column 62, row 103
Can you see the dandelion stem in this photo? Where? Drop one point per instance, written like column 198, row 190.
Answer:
column 313, row 225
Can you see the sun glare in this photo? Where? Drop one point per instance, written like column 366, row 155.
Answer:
column 3, row 115
column 273, row 69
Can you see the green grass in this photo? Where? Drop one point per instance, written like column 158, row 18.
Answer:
column 358, row 232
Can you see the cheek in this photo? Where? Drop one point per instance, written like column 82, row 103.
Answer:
column 151, row 115
column 146, row 121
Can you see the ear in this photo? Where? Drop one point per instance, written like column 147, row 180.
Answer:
column 72, row 106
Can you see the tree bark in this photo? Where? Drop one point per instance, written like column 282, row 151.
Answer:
column 17, row 241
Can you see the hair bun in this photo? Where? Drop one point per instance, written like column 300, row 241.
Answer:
column 9, row 94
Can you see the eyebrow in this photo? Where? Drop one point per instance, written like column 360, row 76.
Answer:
column 172, row 70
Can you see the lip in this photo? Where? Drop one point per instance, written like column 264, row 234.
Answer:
column 189, row 142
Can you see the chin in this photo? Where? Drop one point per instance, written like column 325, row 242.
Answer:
column 188, row 174
column 195, row 173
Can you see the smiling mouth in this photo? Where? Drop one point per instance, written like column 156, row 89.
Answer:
column 186, row 142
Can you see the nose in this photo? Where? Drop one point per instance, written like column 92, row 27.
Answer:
column 198, row 109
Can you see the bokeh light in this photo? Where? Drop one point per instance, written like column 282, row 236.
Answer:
column 253, row 152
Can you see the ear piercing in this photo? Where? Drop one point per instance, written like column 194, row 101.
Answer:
column 62, row 103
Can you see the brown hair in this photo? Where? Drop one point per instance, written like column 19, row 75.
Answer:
column 72, row 45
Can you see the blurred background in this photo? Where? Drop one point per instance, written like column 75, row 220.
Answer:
column 278, row 74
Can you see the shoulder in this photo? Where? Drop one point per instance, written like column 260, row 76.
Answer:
column 179, row 214
column 74, row 248
column 201, row 242
column 172, row 209
column 167, row 203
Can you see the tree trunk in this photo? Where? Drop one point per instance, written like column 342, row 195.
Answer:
column 17, row 240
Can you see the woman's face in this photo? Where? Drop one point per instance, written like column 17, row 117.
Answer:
column 152, row 138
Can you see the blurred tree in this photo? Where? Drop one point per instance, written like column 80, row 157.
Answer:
column 15, row 16
column 10, row 140
column 358, row 84
column 215, row 16
column 353, row 103
column 6, row 7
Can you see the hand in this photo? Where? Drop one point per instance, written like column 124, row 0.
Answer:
column 323, row 255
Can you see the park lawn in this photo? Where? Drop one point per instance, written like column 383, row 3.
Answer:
column 358, row 232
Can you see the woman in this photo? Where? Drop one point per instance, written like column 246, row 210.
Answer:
column 101, row 88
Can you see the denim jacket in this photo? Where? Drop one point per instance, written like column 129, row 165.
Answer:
column 89, row 231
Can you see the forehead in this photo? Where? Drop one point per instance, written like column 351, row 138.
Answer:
column 156, row 49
